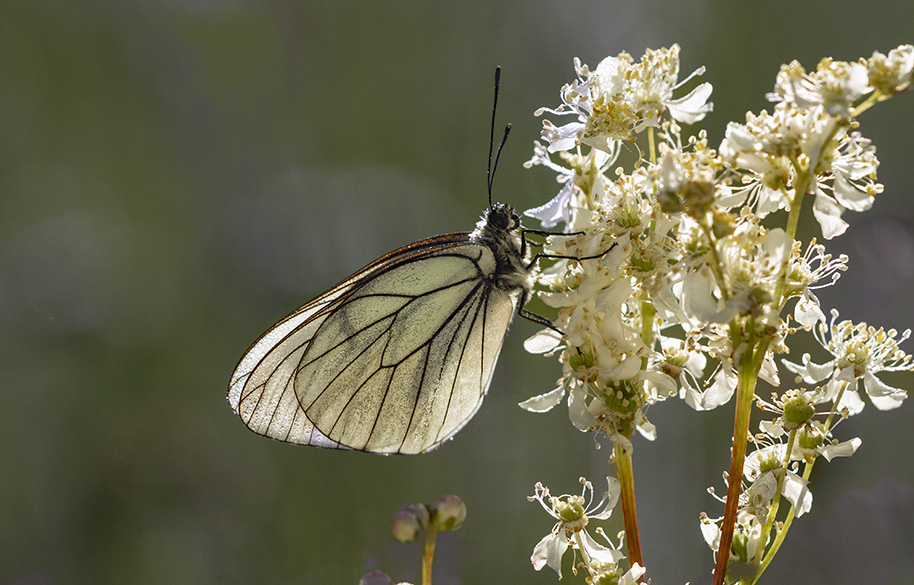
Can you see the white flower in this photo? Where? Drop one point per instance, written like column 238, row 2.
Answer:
column 893, row 73
column 573, row 513
column 718, row 392
column 835, row 85
column 752, row 264
column 620, row 98
column 764, row 467
column 860, row 352
column 611, row 573
column 808, row 272
column 766, row 143
column 653, row 81
column 847, row 184
column 746, row 538
column 590, row 127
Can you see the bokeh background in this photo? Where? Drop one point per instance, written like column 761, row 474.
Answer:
column 176, row 175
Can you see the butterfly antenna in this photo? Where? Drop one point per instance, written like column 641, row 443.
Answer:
column 490, row 172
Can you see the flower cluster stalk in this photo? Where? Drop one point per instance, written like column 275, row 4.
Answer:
column 428, row 554
column 626, row 475
column 745, row 396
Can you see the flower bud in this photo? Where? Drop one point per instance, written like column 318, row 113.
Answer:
column 797, row 410
column 409, row 521
column 448, row 513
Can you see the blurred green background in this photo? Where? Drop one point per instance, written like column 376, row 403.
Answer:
column 177, row 175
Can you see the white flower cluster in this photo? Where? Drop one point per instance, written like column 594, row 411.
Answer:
column 687, row 256
column 685, row 275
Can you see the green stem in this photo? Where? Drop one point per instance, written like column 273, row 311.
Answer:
column 782, row 533
column 648, row 314
column 873, row 99
column 775, row 504
column 807, row 470
column 651, row 146
column 428, row 554
column 749, row 367
column 629, row 510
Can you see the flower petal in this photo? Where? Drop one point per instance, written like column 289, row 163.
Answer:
column 544, row 402
column 828, row 213
column 883, row 396
column 580, row 417
column 556, row 209
column 797, row 493
column 692, row 107
column 844, row 449
column 807, row 311
column 543, row 341
column 549, row 551
column 597, row 551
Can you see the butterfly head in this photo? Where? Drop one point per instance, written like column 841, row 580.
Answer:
column 501, row 217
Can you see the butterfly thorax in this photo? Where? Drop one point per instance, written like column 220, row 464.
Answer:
column 500, row 230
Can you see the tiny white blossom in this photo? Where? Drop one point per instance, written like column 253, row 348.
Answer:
column 835, row 85
column 894, row 72
column 764, row 466
column 573, row 513
column 847, row 184
column 860, row 352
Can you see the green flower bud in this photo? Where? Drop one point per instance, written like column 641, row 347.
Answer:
column 409, row 521
column 797, row 411
column 448, row 513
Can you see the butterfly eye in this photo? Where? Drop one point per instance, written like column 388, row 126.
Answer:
column 500, row 218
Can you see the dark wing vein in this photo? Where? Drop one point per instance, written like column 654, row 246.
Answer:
column 462, row 310
column 483, row 300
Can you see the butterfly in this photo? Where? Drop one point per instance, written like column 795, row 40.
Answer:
column 398, row 357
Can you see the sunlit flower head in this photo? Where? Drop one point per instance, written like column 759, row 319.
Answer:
column 752, row 261
column 835, row 85
column 572, row 514
column 859, row 353
column 620, row 98
column 652, row 83
column 894, row 72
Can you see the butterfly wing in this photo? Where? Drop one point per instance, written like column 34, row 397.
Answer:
column 396, row 359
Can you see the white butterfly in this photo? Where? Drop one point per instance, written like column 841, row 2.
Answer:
column 398, row 357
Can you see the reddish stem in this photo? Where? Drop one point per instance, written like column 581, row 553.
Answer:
column 745, row 394
column 629, row 510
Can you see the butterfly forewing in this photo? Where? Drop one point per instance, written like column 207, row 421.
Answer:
column 395, row 359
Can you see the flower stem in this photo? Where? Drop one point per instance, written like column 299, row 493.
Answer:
column 807, row 471
column 775, row 503
column 782, row 533
column 750, row 364
column 629, row 510
column 428, row 555
column 651, row 146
